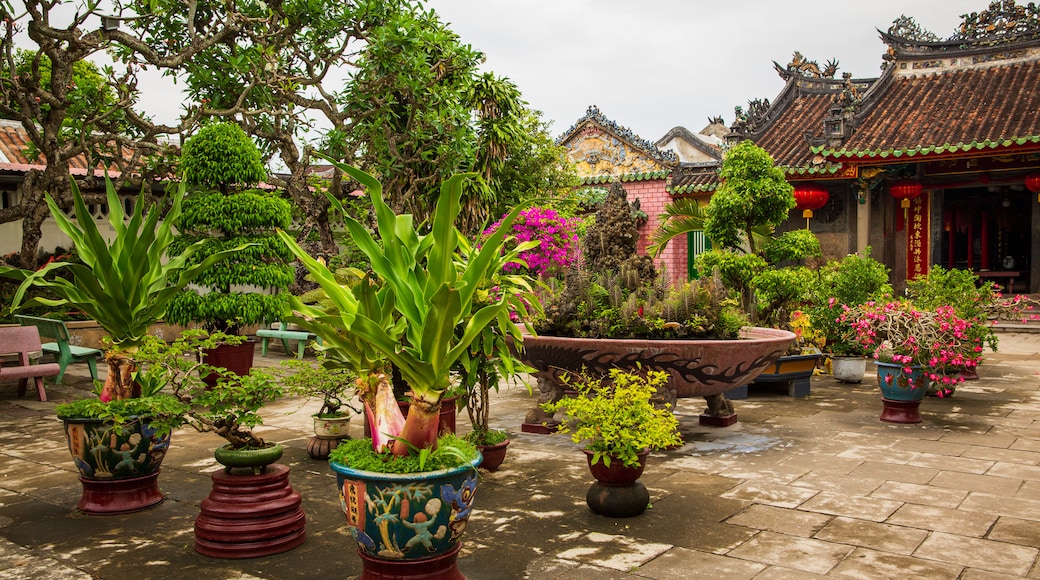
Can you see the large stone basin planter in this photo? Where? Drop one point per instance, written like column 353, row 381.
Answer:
column 696, row 368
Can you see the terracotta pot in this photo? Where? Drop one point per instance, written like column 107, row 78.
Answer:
column 617, row 474
column 494, row 455
column 237, row 358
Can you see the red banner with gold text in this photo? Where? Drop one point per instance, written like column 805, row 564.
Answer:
column 918, row 233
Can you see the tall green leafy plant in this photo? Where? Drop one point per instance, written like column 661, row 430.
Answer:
column 124, row 284
column 218, row 163
column 417, row 311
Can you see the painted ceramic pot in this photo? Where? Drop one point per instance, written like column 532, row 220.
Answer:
column 899, row 385
column 407, row 517
column 255, row 460
column 101, row 450
column 332, row 427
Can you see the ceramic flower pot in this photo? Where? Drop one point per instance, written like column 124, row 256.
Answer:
column 407, row 524
column 332, row 427
column 494, row 455
column 902, row 389
column 849, row 369
column 255, row 460
column 118, row 466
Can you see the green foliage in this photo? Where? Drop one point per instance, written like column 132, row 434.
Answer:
column 229, row 409
column 752, row 192
column 221, row 155
column 486, row 437
column 970, row 298
column 166, row 411
column 451, row 451
column 327, row 379
column 737, row 270
column 420, row 291
column 615, row 417
column 125, row 284
column 251, row 288
column 780, row 291
column 793, row 246
column 848, row 282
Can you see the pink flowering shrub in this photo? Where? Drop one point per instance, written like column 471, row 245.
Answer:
column 898, row 332
column 559, row 241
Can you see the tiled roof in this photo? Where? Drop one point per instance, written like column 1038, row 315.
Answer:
column 14, row 143
column 692, row 180
column 593, row 115
column 644, row 176
column 962, row 110
column 785, row 139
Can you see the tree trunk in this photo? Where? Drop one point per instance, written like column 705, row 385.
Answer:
column 120, row 384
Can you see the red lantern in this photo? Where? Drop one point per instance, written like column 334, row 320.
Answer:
column 1033, row 183
column 905, row 190
column 809, row 196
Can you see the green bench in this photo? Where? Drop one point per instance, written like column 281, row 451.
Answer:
column 282, row 333
column 63, row 352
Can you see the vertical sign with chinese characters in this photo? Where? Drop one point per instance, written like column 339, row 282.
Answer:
column 918, row 233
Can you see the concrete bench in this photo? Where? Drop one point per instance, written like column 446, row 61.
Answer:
column 20, row 341
column 302, row 336
column 64, row 352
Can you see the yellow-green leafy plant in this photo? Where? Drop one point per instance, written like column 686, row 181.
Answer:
column 616, row 418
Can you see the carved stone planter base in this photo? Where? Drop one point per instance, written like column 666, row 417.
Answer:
column 539, row 428
column 710, row 421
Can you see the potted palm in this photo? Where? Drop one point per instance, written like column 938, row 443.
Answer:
column 416, row 310
column 616, row 419
column 125, row 285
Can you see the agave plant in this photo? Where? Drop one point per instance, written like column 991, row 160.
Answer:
column 416, row 311
column 124, row 284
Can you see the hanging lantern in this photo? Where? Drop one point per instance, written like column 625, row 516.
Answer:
column 808, row 197
column 1033, row 183
column 905, row 190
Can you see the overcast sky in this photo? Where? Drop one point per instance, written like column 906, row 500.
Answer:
column 651, row 65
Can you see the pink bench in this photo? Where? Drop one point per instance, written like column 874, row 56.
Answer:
column 20, row 341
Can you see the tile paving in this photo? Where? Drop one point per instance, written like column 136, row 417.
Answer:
column 799, row 488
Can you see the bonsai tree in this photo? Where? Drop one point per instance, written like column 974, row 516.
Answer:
column 408, row 311
column 230, row 410
column 332, row 382
column 219, row 165
column 125, row 284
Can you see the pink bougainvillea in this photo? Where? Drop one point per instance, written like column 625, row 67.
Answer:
column 559, row 242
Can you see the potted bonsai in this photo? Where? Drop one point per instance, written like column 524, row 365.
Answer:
column 220, row 164
column 125, row 285
column 912, row 348
column 416, row 310
column 335, row 385
column 252, row 510
column 617, row 421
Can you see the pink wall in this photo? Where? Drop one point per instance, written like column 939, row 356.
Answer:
column 652, row 198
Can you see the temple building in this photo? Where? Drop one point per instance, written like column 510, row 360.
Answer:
column 935, row 162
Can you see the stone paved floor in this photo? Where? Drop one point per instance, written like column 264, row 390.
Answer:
column 799, row 488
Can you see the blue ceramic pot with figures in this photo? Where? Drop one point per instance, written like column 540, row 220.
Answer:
column 902, row 389
column 410, row 521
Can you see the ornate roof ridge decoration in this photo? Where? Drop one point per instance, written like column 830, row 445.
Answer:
column 805, row 68
column 1004, row 22
column 626, row 178
column 925, row 150
column 754, row 120
column 693, row 188
column 594, row 115
column 693, row 139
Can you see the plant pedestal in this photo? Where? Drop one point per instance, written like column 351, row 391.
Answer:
column 900, row 411
column 319, row 446
column 443, row 567
column 119, row 496
column 248, row 516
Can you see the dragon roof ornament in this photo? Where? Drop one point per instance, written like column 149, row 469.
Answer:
column 1004, row 21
